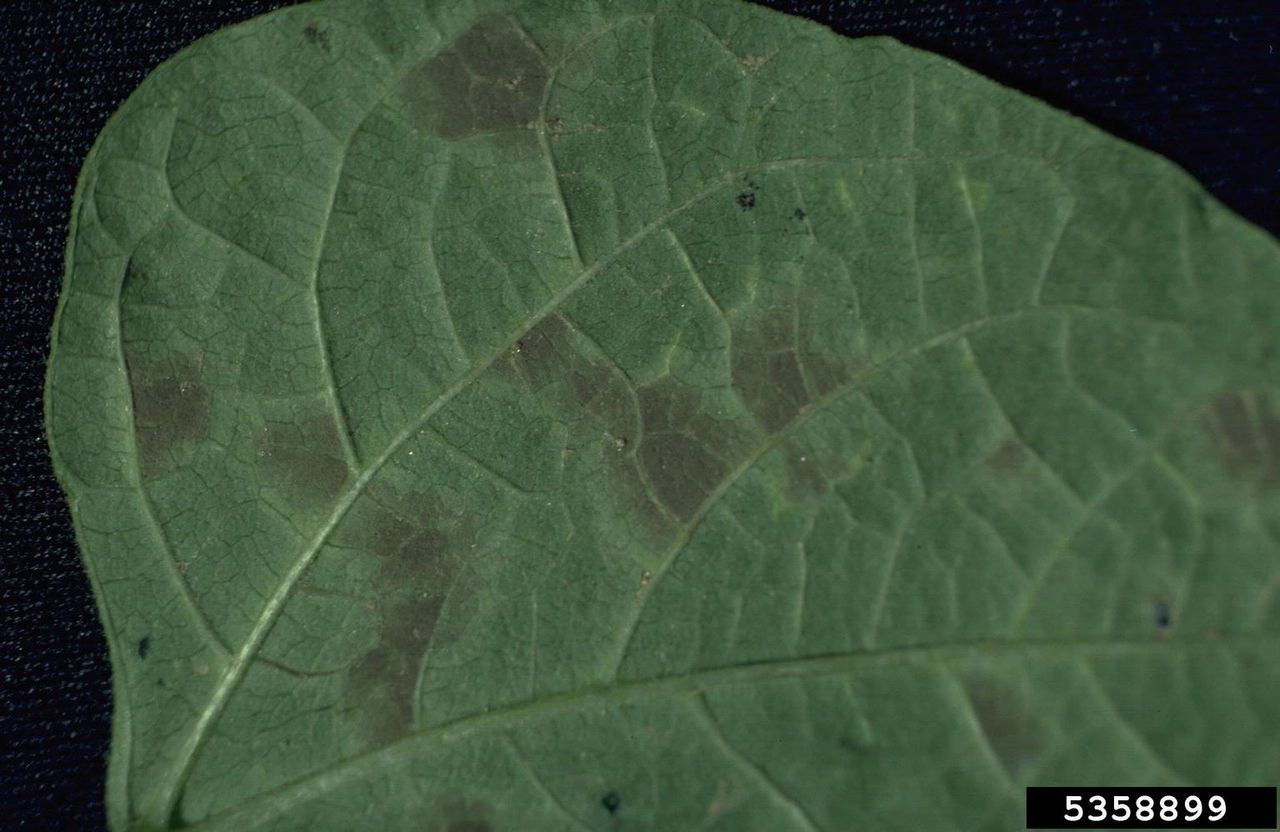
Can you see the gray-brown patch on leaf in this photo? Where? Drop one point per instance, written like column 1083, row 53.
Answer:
column 170, row 410
column 1009, row 728
column 490, row 78
column 542, row 352
column 773, row 378
column 383, row 682
column 1244, row 431
column 806, row 471
column 420, row 547
column 317, row 35
column 771, row 385
column 307, row 457
column 1009, row 458
column 624, row 473
column 556, row 363
column 684, row 452
column 413, row 548
column 457, row 814
column 825, row 373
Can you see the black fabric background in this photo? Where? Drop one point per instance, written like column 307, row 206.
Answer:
column 1199, row 84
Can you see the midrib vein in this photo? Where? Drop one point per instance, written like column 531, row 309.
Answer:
column 269, row 805
column 271, row 610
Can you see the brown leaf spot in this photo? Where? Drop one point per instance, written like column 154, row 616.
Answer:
column 383, row 682
column 552, row 359
column 170, row 410
column 628, row 483
column 678, row 452
column 460, row 815
column 317, row 35
column 1008, row 458
column 1006, row 724
column 419, row 567
column 491, row 78
column 807, row 476
column 826, row 374
column 771, row 385
column 775, row 380
column 1245, row 433
column 411, row 549
column 306, row 457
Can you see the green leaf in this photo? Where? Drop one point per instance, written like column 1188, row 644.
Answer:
column 663, row 416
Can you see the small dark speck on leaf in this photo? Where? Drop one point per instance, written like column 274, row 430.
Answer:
column 144, row 647
column 799, row 214
column 1162, row 613
column 611, row 802
column 746, row 199
column 854, row 745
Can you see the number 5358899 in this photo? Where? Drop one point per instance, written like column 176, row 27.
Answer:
column 1120, row 808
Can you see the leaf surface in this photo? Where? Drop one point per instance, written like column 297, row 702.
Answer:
column 641, row 415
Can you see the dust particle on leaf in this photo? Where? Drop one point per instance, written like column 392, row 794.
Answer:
column 491, row 78
column 611, row 802
column 1163, row 615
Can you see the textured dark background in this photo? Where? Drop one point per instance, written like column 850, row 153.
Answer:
column 1199, row 84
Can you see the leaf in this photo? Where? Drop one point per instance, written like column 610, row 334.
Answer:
column 656, row 416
